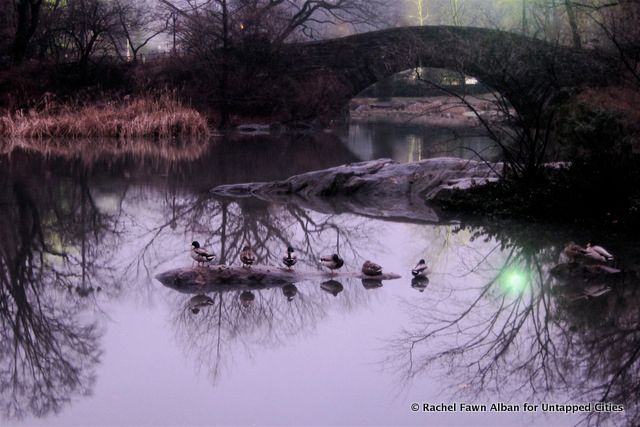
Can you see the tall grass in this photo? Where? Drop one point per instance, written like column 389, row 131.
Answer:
column 158, row 117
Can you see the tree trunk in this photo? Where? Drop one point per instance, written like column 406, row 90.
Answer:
column 28, row 17
column 224, row 77
column 573, row 23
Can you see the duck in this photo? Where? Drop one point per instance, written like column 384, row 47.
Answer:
column 421, row 269
column 201, row 255
column 332, row 262
column 247, row 256
column 290, row 260
column 598, row 252
column 371, row 269
column 572, row 252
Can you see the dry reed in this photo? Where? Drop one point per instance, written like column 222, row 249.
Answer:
column 160, row 117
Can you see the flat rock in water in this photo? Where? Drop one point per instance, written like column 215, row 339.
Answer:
column 196, row 280
column 379, row 188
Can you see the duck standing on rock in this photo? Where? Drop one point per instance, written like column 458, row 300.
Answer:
column 598, row 253
column 572, row 252
column 200, row 255
column 247, row 256
column 371, row 269
column 421, row 269
column 332, row 262
column 290, row 260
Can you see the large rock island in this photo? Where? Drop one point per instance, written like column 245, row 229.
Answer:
column 378, row 188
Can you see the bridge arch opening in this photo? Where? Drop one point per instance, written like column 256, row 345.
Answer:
column 418, row 113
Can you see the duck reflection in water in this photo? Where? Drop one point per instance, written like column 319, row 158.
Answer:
column 247, row 298
column 371, row 283
column 332, row 286
column 289, row 291
column 290, row 260
column 420, row 283
column 196, row 303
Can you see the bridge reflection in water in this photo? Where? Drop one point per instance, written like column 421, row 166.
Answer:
column 81, row 245
column 413, row 142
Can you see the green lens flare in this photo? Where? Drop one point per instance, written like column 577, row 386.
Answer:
column 514, row 281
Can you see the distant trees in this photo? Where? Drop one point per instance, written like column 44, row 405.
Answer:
column 617, row 22
column 80, row 29
column 567, row 22
column 85, row 27
column 139, row 23
column 215, row 23
column 244, row 36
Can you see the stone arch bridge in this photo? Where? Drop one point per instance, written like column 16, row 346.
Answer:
column 529, row 73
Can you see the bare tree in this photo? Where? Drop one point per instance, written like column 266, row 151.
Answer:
column 617, row 22
column 139, row 24
column 238, row 39
column 85, row 28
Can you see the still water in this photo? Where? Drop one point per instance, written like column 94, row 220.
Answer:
column 90, row 337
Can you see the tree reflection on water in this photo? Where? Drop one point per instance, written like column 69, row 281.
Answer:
column 524, row 335
column 81, row 225
column 48, row 353
column 219, row 330
column 516, row 332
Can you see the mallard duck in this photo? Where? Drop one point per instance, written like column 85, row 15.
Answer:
column 371, row 269
column 572, row 252
column 598, row 252
column 247, row 256
column 200, row 255
column 332, row 286
column 332, row 262
column 290, row 260
column 289, row 291
column 421, row 269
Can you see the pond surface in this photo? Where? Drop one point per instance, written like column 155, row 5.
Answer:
column 90, row 337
